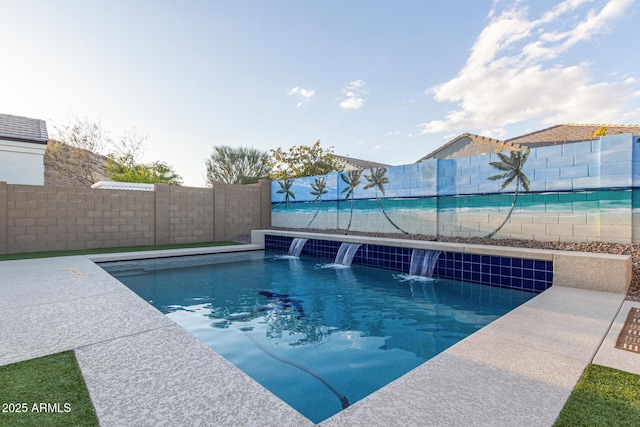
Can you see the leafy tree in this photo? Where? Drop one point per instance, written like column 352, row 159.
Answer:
column 319, row 188
column 150, row 173
column 512, row 165
column 74, row 149
column 301, row 161
column 377, row 179
column 352, row 179
column 237, row 165
column 123, row 164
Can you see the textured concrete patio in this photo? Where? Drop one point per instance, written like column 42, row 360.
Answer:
column 142, row 369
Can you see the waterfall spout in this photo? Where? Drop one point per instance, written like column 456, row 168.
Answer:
column 295, row 249
column 346, row 253
column 423, row 262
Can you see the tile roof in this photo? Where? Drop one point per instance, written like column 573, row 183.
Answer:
column 568, row 133
column 472, row 136
column 23, row 129
column 359, row 163
column 559, row 134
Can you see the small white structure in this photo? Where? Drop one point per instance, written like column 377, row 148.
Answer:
column 114, row 185
column 23, row 142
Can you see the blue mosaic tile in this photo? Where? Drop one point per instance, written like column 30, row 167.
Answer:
column 528, row 285
column 539, row 265
column 508, row 282
column 540, row 286
column 518, row 273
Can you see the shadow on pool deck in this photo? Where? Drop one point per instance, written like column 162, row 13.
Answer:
column 143, row 369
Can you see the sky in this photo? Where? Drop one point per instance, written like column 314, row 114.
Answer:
column 386, row 81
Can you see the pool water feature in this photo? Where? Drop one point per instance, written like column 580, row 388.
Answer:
column 356, row 328
column 296, row 247
column 346, row 252
column 423, row 262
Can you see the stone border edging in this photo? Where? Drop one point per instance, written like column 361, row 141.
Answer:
column 582, row 270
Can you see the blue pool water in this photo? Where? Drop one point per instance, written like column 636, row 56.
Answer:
column 314, row 335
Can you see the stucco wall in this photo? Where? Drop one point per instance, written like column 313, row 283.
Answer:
column 22, row 162
column 465, row 146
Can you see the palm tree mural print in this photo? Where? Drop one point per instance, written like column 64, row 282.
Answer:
column 352, row 179
column 319, row 188
column 512, row 166
column 285, row 188
column 377, row 179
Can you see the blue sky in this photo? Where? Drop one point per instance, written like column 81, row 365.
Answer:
column 387, row 81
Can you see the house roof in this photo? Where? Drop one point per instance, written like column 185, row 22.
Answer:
column 559, row 134
column 568, row 133
column 23, row 129
column 359, row 163
column 472, row 136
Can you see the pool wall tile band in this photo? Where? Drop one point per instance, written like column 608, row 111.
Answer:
column 517, row 273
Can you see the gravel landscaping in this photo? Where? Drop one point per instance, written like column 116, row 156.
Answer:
column 598, row 247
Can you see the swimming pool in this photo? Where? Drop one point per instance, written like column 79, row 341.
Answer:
column 315, row 336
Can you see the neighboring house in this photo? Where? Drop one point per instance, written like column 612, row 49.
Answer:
column 472, row 145
column 350, row 163
column 23, row 142
column 469, row 144
column 568, row 133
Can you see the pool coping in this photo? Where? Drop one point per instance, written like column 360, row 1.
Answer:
column 583, row 270
column 125, row 256
column 143, row 369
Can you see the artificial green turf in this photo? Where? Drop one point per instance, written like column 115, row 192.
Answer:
column 48, row 391
column 31, row 255
column 603, row 397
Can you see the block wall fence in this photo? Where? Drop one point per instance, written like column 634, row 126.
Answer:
column 37, row 218
column 579, row 192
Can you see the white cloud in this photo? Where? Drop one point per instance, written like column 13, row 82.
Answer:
column 300, row 91
column 304, row 93
column 510, row 75
column 353, row 91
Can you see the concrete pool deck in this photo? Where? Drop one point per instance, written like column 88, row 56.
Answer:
column 142, row 369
